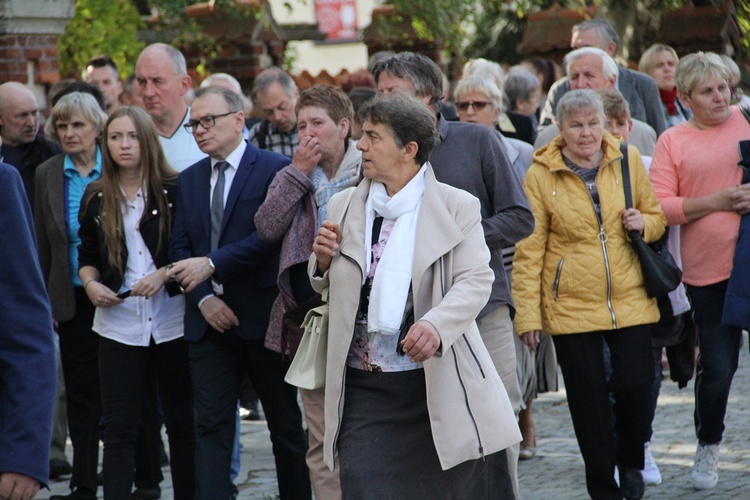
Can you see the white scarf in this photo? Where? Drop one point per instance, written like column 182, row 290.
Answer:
column 390, row 286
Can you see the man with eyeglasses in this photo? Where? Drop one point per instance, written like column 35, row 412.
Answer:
column 22, row 146
column 473, row 158
column 162, row 79
column 229, row 276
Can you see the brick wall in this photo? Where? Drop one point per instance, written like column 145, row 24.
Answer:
column 17, row 50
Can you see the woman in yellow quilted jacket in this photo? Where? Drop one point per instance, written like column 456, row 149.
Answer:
column 578, row 278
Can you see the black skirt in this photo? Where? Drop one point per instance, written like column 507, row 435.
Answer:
column 386, row 448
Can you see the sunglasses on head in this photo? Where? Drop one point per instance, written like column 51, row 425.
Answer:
column 477, row 105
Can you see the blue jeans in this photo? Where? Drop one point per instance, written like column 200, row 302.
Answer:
column 717, row 361
column 234, row 467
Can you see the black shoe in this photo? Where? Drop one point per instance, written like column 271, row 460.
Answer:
column 77, row 494
column 233, row 491
column 146, row 494
column 631, row 483
column 59, row 468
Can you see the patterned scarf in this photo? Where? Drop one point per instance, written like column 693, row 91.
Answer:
column 669, row 98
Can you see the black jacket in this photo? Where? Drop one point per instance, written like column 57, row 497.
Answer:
column 93, row 250
column 34, row 154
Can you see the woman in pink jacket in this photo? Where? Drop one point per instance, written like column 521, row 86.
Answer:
column 696, row 179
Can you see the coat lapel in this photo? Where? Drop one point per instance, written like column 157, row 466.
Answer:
column 56, row 192
column 353, row 231
column 244, row 170
column 437, row 232
column 203, row 197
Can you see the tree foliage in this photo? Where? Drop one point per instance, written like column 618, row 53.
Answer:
column 497, row 26
column 100, row 27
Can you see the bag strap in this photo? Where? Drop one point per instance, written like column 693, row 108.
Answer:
column 626, row 176
column 634, row 235
column 745, row 112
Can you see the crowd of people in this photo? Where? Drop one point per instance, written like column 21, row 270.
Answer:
column 173, row 240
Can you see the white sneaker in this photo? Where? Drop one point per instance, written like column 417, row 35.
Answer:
column 705, row 473
column 650, row 473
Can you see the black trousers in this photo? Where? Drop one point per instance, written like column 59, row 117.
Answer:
column 217, row 364
column 79, row 352
column 582, row 364
column 126, row 373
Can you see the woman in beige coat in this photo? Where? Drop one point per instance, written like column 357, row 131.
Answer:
column 414, row 405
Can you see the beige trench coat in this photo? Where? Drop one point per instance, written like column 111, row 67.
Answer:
column 470, row 413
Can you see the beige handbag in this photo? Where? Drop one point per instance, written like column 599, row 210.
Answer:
column 308, row 368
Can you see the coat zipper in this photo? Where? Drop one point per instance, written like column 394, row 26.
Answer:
column 602, row 236
column 476, row 359
column 556, row 283
column 466, row 400
column 603, row 239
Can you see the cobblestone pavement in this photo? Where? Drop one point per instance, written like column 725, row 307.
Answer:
column 557, row 470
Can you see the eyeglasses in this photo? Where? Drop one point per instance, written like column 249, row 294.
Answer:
column 477, row 105
column 206, row 122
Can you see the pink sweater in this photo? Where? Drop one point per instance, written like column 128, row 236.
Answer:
column 690, row 163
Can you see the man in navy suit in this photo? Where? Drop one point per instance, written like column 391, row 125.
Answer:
column 229, row 276
column 28, row 378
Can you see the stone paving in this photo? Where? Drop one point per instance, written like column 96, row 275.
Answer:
column 557, row 470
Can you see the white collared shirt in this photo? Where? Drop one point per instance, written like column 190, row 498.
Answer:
column 137, row 319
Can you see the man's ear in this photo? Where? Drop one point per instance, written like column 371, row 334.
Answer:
column 185, row 83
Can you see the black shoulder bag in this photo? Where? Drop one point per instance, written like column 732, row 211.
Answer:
column 660, row 272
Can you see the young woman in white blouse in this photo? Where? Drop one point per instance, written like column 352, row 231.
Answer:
column 126, row 220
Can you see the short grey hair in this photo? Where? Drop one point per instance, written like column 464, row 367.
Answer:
column 604, row 31
column 408, row 119
column 483, row 67
column 520, row 84
column 694, row 69
column 609, row 66
column 421, row 71
column 270, row 76
column 209, row 81
column 233, row 99
column 175, row 57
column 476, row 83
column 578, row 100
column 76, row 102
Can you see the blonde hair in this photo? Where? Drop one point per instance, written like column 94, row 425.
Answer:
column 693, row 69
column 647, row 63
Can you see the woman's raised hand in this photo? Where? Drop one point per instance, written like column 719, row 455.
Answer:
column 326, row 244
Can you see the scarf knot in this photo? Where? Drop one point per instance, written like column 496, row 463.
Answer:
column 669, row 99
